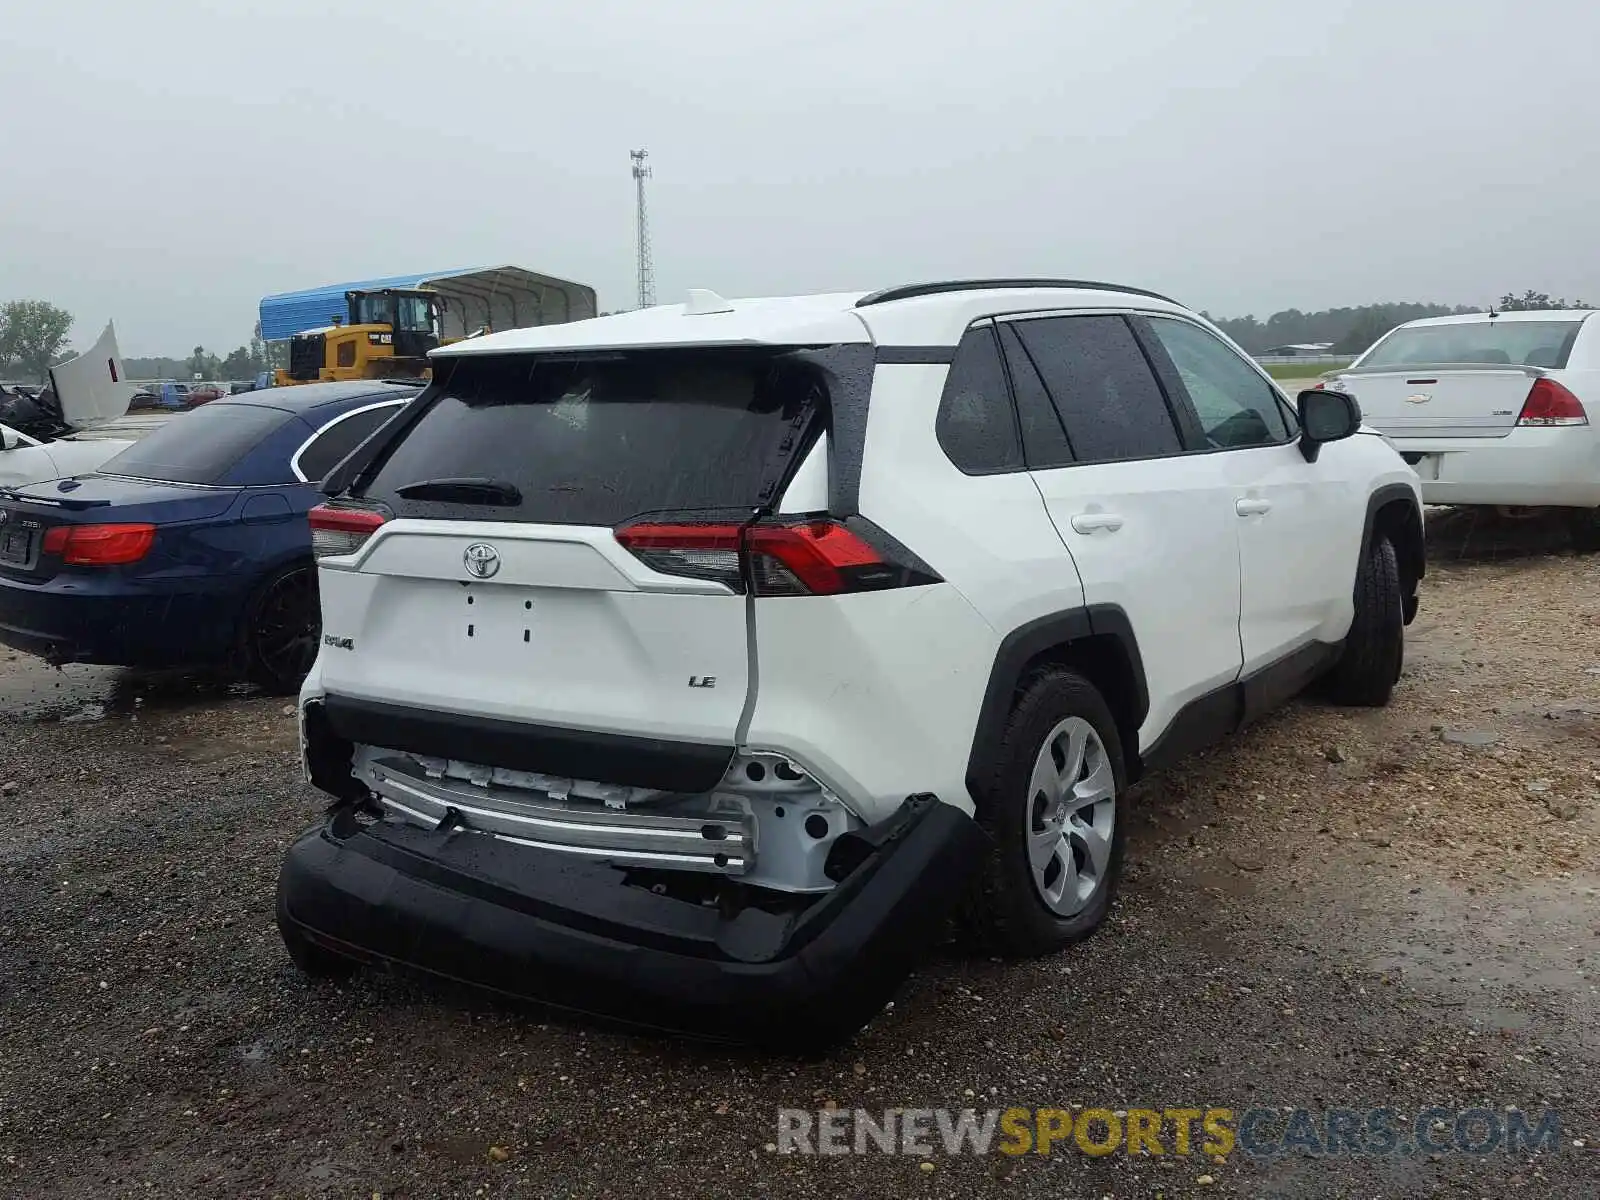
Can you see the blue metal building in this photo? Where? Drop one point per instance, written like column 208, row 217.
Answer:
column 475, row 298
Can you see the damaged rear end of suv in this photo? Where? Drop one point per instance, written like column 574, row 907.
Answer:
column 542, row 589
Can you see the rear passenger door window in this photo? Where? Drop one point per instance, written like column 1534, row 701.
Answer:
column 1107, row 397
column 1044, row 438
column 976, row 427
column 1235, row 405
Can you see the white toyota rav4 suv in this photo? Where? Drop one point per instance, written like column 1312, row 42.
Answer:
column 1489, row 409
column 691, row 665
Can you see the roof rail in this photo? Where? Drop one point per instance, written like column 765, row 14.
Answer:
column 912, row 290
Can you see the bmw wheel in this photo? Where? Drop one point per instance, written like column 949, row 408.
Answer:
column 281, row 630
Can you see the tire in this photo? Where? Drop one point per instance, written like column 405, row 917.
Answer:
column 1584, row 526
column 281, row 628
column 1008, row 912
column 1374, row 650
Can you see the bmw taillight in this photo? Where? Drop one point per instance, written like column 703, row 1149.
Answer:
column 337, row 530
column 779, row 558
column 1549, row 403
column 99, row 545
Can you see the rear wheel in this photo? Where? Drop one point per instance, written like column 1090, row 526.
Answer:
column 1584, row 526
column 1049, row 801
column 1374, row 650
column 281, row 629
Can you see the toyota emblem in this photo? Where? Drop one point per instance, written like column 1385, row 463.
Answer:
column 482, row 560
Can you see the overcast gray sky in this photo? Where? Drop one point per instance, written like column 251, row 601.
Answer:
column 172, row 161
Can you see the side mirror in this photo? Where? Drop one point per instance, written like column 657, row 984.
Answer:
column 8, row 439
column 1325, row 416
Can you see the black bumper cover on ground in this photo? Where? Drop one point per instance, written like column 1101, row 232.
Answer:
column 587, row 936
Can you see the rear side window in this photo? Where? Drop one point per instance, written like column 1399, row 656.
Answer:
column 1236, row 407
column 1109, row 401
column 1523, row 343
column 594, row 441
column 200, row 446
column 338, row 438
column 976, row 427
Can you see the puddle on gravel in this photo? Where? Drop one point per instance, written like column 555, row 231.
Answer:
column 1542, row 936
column 32, row 690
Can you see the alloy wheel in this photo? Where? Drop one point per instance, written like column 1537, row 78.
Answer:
column 1071, row 813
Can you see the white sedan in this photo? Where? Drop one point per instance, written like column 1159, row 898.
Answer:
column 27, row 460
column 93, row 393
column 1489, row 409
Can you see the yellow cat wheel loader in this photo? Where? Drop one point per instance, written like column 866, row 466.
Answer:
column 384, row 328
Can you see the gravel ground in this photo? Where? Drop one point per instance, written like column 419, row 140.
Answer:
column 1337, row 909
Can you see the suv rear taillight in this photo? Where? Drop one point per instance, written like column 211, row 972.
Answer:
column 337, row 530
column 99, row 545
column 789, row 558
column 1551, row 404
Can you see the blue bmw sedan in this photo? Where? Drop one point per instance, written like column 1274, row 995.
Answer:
column 189, row 548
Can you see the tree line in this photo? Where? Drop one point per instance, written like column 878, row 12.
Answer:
column 1351, row 330
column 33, row 336
column 245, row 362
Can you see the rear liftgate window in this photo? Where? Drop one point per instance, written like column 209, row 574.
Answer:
column 599, row 440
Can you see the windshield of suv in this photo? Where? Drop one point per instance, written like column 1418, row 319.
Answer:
column 200, row 446
column 594, row 441
column 1524, row 343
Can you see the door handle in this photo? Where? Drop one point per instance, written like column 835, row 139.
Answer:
column 1090, row 522
column 1252, row 506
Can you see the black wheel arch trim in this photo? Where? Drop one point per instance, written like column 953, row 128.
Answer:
column 1413, row 557
column 1026, row 643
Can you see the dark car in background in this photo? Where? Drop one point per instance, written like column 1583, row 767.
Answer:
column 190, row 547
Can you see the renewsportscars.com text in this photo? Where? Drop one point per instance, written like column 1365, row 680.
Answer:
column 1212, row 1132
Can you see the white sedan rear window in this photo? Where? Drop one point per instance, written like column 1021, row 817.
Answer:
column 1523, row 343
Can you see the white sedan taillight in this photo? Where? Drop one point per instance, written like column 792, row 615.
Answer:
column 1551, row 404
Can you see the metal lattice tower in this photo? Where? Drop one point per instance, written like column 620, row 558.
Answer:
column 647, row 271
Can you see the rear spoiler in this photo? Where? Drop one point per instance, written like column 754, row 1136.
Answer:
column 1437, row 368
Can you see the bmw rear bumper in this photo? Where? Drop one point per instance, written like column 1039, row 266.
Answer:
column 593, row 938
column 65, row 624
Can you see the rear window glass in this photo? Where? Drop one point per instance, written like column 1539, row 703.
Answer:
column 975, row 424
column 200, row 446
column 594, row 441
column 1525, row 343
